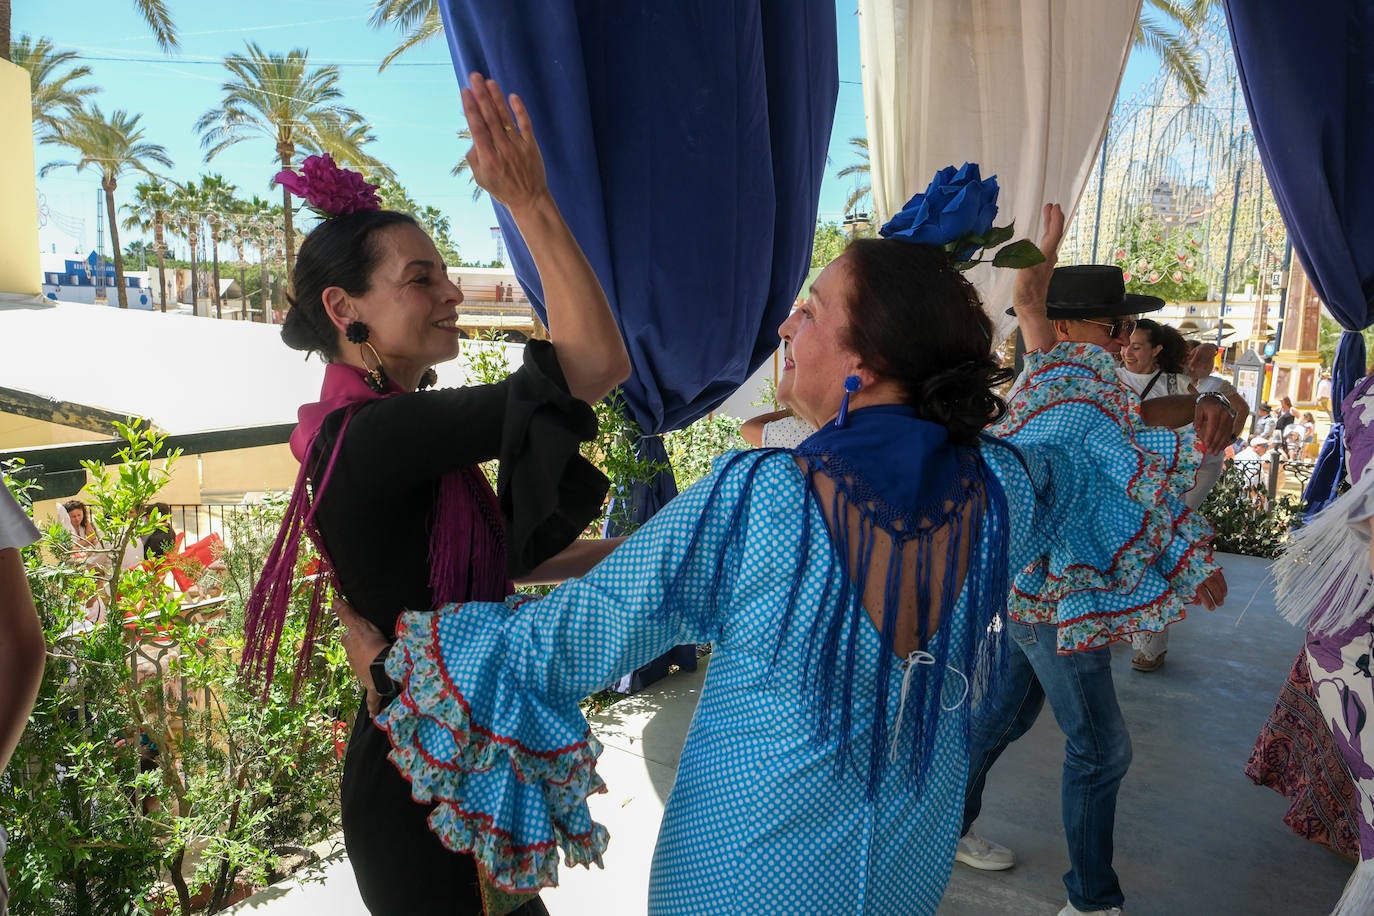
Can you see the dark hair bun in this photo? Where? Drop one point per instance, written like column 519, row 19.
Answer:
column 963, row 399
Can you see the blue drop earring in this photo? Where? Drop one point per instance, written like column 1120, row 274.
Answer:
column 851, row 385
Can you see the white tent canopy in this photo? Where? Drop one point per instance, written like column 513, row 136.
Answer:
column 185, row 374
column 1022, row 87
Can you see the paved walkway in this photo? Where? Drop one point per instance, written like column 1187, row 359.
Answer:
column 1193, row 835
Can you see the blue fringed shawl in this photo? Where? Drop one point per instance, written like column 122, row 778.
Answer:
column 898, row 475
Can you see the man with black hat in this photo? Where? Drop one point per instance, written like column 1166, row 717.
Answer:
column 1087, row 304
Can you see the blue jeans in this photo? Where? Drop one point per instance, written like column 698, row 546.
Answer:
column 1097, row 753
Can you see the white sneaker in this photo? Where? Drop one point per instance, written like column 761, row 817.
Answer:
column 976, row 852
column 1071, row 910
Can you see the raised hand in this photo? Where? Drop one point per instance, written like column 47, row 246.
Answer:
column 1032, row 286
column 504, row 157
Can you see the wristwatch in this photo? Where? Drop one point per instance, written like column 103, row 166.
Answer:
column 1221, row 399
column 386, row 688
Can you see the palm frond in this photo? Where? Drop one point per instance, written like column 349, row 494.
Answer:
column 401, row 14
column 429, row 27
column 159, row 20
column 1179, row 55
column 52, row 82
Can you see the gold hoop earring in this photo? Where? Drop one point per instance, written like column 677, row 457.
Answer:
column 375, row 376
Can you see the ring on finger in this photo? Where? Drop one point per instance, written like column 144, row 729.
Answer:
column 510, row 128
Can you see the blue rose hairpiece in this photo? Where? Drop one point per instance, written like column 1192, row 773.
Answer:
column 956, row 213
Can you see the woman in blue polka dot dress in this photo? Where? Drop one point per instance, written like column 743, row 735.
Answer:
column 853, row 590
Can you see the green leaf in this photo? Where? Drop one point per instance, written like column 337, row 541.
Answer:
column 1018, row 254
column 997, row 235
column 965, row 265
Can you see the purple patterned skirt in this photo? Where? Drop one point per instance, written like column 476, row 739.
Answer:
column 1296, row 756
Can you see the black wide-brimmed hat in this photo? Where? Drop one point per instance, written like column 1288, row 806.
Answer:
column 1093, row 291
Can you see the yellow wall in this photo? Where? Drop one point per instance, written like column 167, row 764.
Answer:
column 19, row 270
column 21, row 432
column 271, row 467
column 210, row 478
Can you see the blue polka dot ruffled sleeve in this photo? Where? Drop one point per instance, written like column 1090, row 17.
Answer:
column 1112, row 548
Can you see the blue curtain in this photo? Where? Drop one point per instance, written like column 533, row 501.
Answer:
column 1307, row 70
column 685, row 141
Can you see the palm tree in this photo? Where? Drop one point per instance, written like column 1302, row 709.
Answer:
column 150, row 211
column 50, row 83
column 154, row 12
column 113, row 145
column 187, row 216
column 418, row 20
column 1167, row 34
column 860, row 172
column 278, row 97
column 260, row 227
column 275, row 241
column 236, row 225
column 217, row 197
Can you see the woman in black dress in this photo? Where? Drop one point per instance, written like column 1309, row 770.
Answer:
column 403, row 516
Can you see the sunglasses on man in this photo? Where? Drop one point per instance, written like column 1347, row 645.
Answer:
column 1120, row 327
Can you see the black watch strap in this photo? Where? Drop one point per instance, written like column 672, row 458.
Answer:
column 381, row 681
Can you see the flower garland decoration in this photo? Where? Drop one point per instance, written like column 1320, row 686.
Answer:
column 328, row 189
column 955, row 213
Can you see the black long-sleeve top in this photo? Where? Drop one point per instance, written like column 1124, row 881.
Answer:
column 376, row 511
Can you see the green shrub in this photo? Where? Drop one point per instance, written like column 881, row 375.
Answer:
column 98, row 820
column 692, row 449
column 1246, row 521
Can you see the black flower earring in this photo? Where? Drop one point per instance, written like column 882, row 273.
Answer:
column 374, row 375
column 356, row 332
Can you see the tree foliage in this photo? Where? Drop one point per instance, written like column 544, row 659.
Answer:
column 144, row 744
column 1164, row 28
column 829, row 243
column 282, row 99
column 54, row 83
column 111, row 146
column 860, row 171
column 417, row 21
column 431, row 219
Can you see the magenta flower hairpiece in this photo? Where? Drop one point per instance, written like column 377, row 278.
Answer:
column 328, row 189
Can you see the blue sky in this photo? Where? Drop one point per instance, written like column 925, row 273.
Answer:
column 413, row 106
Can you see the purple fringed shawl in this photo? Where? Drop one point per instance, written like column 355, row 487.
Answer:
column 467, row 548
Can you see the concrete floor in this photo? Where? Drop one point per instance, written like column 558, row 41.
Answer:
column 1193, row 836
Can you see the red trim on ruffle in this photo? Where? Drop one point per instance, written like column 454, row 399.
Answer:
column 451, row 689
column 1005, row 430
column 1177, row 570
column 483, row 822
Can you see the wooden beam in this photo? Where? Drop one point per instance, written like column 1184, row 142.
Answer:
column 52, row 410
column 69, row 457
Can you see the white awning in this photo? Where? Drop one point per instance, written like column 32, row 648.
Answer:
column 183, row 373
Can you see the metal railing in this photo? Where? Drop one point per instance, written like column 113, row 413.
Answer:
column 200, row 520
column 1263, row 476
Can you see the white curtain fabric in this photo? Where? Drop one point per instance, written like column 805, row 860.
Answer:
column 1022, row 87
